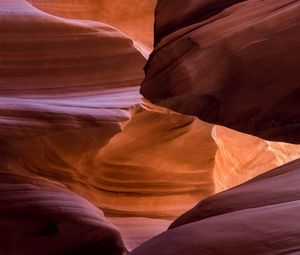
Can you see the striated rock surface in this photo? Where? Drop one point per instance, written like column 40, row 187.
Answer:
column 135, row 18
column 274, row 187
column 237, row 68
column 152, row 179
column 258, row 217
column 137, row 230
column 59, row 75
column 38, row 217
column 241, row 157
column 66, row 87
column 44, row 55
column 69, row 89
column 63, row 83
column 186, row 13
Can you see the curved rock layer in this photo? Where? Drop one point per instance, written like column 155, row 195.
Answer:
column 258, row 217
column 61, row 77
column 241, row 157
column 66, row 87
column 40, row 218
column 47, row 55
column 237, row 68
column 133, row 17
column 187, row 13
column 159, row 165
column 153, row 178
column 60, row 74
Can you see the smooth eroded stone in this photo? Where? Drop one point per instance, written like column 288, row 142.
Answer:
column 38, row 217
column 187, row 13
column 274, row 187
column 135, row 18
column 66, row 87
column 258, row 217
column 238, row 68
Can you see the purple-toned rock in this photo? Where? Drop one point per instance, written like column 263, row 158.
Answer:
column 38, row 217
column 258, row 217
column 237, row 66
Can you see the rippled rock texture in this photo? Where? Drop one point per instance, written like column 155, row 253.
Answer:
column 233, row 63
column 38, row 217
column 135, row 18
column 258, row 217
column 66, row 88
column 72, row 119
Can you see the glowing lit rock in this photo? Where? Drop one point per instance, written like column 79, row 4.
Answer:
column 135, row 18
column 258, row 217
column 66, row 87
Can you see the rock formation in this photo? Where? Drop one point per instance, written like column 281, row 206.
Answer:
column 135, row 18
column 66, row 88
column 241, row 157
column 37, row 217
column 72, row 118
column 236, row 65
column 258, row 217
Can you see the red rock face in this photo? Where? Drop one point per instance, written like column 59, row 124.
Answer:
column 133, row 17
column 72, row 120
column 274, row 187
column 258, row 217
column 186, row 13
column 66, row 87
column 54, row 70
column 38, row 217
column 237, row 68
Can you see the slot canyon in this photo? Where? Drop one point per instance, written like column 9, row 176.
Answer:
column 149, row 127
